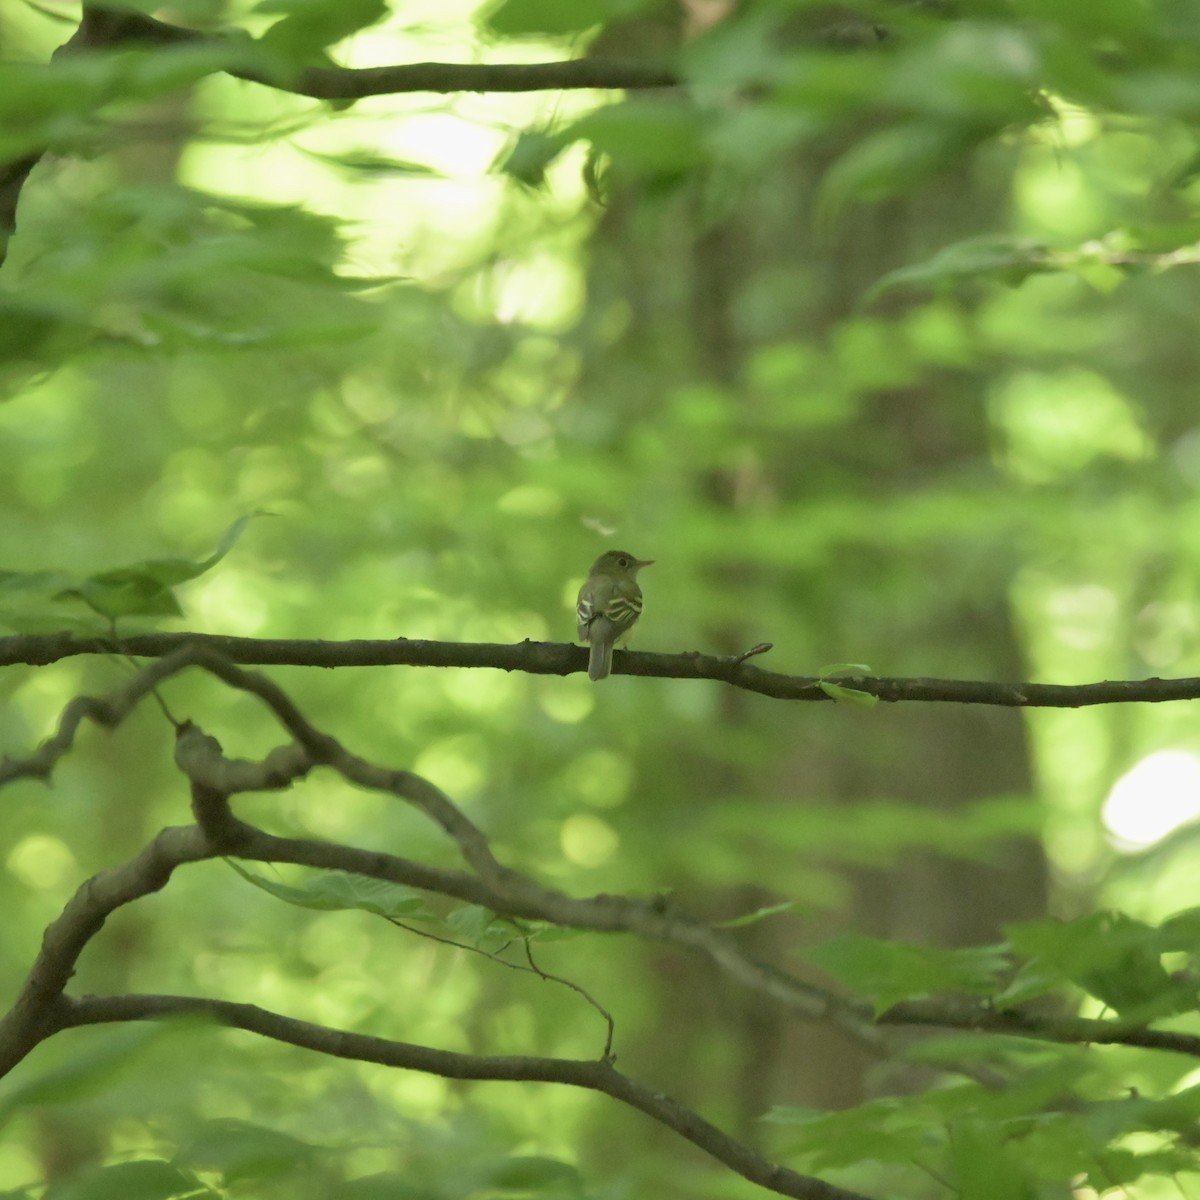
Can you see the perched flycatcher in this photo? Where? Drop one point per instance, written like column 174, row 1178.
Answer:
column 608, row 607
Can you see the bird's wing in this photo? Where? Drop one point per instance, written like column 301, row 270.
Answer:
column 624, row 605
column 614, row 599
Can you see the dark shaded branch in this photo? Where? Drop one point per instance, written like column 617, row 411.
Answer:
column 555, row 658
column 105, row 711
column 598, row 1076
column 1013, row 1023
column 115, row 27
column 324, row 749
column 38, row 1009
column 13, row 175
column 356, row 83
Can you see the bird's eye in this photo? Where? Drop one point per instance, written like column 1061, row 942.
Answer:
column 624, row 562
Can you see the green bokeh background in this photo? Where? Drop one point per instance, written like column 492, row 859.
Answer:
column 452, row 389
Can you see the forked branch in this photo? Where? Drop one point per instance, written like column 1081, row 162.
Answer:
column 43, row 1007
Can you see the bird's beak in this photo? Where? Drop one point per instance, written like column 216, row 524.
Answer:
column 645, row 562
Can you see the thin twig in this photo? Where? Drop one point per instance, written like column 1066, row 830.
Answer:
column 575, row 987
column 531, row 969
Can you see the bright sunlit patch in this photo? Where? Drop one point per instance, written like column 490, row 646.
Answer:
column 41, row 861
column 1152, row 799
column 598, row 778
column 230, row 601
column 457, row 765
column 1083, row 617
column 531, row 500
column 588, row 841
column 568, row 704
column 17, row 1164
column 1073, row 126
column 1058, row 423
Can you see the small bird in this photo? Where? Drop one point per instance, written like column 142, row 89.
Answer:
column 608, row 607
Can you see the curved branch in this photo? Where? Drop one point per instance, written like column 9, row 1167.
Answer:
column 494, row 886
column 105, row 711
column 556, row 658
column 593, row 1075
column 38, row 1009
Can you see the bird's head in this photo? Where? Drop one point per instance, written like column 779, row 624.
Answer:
column 619, row 563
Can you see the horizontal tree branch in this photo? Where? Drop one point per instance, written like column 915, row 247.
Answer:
column 556, row 658
column 594, row 1075
column 104, row 27
column 1016, row 1023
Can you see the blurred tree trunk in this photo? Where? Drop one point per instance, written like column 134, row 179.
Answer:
column 117, row 820
column 703, row 294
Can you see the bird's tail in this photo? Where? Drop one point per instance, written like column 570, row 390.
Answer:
column 600, row 658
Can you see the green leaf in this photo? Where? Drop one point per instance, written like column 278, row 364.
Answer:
column 857, row 669
column 984, row 1168
column 124, row 592
column 241, row 1151
column 60, row 104
column 760, row 914
column 482, row 929
column 648, row 138
column 523, row 18
column 1181, row 932
column 888, row 972
column 28, row 604
column 887, row 1131
column 1097, row 18
column 228, row 541
column 750, row 52
column 369, row 164
column 335, row 891
column 999, row 258
column 144, row 588
column 142, row 1179
column 529, row 156
column 1030, row 982
column 836, row 691
column 88, row 1073
column 888, row 163
column 526, row 1174
column 310, row 26
column 972, row 77
column 386, row 1185
column 472, row 923
column 1111, row 955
